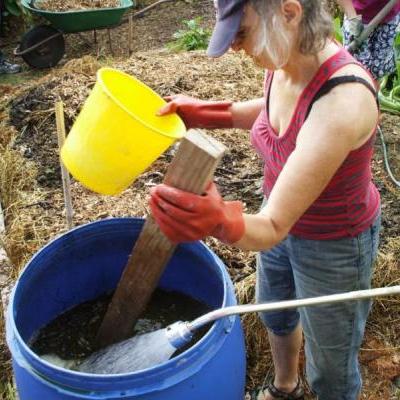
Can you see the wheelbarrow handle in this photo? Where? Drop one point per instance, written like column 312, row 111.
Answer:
column 18, row 52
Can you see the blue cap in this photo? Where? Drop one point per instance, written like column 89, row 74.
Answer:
column 229, row 15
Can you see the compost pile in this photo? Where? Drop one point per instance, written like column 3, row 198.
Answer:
column 31, row 113
column 75, row 5
column 35, row 214
column 72, row 335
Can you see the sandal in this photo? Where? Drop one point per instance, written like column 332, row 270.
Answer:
column 296, row 394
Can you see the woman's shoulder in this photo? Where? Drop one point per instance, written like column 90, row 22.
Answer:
column 355, row 69
column 349, row 106
column 347, row 83
column 356, row 92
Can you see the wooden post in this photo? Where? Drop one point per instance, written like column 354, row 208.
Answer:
column 96, row 42
column 191, row 169
column 2, row 223
column 130, row 33
column 110, row 41
column 66, row 182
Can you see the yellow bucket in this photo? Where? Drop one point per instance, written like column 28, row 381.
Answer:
column 117, row 134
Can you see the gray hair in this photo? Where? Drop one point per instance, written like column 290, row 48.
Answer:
column 315, row 28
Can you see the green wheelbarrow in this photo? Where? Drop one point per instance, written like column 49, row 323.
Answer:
column 43, row 46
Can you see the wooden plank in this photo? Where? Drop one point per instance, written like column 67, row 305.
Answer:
column 130, row 34
column 191, row 169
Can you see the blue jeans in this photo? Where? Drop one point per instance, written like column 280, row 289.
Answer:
column 300, row 268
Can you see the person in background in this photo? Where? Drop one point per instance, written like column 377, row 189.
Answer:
column 376, row 53
column 6, row 67
column 318, row 228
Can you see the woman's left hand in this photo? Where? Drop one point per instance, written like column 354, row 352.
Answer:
column 186, row 217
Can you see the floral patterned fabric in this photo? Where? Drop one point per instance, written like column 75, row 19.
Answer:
column 377, row 53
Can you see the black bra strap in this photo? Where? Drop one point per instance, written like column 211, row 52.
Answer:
column 331, row 83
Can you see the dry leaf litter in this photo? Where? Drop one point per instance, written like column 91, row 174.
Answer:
column 75, row 5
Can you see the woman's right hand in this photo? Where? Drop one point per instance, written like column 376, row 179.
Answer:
column 197, row 113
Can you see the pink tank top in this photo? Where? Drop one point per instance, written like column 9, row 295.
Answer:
column 350, row 202
column 369, row 8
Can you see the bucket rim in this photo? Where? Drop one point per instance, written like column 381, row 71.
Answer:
column 182, row 366
column 104, row 70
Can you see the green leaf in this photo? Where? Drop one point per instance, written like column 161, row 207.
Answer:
column 12, row 7
column 192, row 38
column 337, row 28
column 397, row 54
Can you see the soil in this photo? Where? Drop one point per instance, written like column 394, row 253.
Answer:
column 389, row 192
column 151, row 30
column 35, row 142
column 72, row 334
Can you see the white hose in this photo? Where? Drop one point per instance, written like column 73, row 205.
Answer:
column 280, row 305
column 386, row 158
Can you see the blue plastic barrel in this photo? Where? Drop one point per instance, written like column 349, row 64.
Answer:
column 87, row 262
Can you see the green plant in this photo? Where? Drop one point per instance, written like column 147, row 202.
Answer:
column 193, row 37
column 397, row 56
column 389, row 93
column 337, row 29
column 16, row 15
column 13, row 7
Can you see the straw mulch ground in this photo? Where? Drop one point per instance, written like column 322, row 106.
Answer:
column 32, row 197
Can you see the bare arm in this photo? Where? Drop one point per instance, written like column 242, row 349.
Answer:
column 245, row 113
column 333, row 129
column 347, row 7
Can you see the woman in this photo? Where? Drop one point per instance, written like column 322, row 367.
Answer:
column 317, row 231
column 376, row 53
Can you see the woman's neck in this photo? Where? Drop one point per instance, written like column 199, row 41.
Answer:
column 301, row 68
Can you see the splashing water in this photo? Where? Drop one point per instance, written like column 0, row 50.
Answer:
column 136, row 353
column 58, row 361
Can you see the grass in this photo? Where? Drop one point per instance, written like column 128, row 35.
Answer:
column 7, row 391
column 22, row 77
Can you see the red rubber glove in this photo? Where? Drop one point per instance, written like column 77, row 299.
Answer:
column 186, row 217
column 199, row 113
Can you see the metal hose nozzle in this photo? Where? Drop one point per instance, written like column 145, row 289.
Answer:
column 179, row 334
